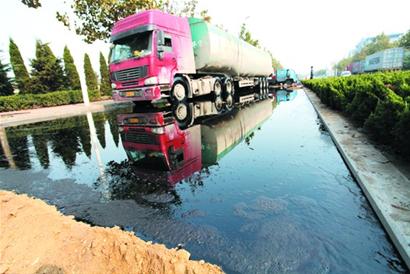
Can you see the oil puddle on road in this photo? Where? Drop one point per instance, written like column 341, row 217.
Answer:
column 262, row 189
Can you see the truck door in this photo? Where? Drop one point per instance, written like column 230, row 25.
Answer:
column 168, row 63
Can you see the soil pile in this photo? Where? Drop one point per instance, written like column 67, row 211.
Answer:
column 36, row 238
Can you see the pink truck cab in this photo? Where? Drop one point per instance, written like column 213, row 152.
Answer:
column 148, row 50
column 153, row 141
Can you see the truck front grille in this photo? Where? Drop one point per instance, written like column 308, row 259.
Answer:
column 130, row 74
column 140, row 138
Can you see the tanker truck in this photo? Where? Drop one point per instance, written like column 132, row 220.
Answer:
column 156, row 56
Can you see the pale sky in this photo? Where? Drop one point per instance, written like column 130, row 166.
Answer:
column 299, row 33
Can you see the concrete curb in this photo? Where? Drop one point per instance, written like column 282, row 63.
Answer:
column 384, row 186
column 8, row 119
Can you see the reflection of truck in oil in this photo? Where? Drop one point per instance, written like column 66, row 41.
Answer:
column 158, row 56
column 284, row 95
column 154, row 141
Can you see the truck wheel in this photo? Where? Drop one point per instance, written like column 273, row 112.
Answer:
column 261, row 88
column 179, row 92
column 183, row 114
column 218, row 104
column 266, row 94
column 229, row 88
column 229, row 103
column 217, row 88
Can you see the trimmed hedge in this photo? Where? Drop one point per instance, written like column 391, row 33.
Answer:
column 57, row 98
column 379, row 102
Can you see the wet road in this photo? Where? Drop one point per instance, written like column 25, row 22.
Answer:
column 260, row 190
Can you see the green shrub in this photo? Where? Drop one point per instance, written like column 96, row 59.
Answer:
column 363, row 103
column 402, row 134
column 28, row 101
column 386, row 115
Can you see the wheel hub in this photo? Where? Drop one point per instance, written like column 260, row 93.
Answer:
column 217, row 88
column 181, row 112
column 229, row 101
column 179, row 92
column 218, row 103
column 229, row 87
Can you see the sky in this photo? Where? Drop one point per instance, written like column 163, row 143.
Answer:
column 299, row 33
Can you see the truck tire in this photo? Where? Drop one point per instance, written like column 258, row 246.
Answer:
column 183, row 114
column 179, row 92
column 229, row 103
column 266, row 88
column 217, row 90
column 217, row 94
column 229, row 88
column 261, row 89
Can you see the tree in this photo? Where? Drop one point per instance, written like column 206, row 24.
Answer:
column 275, row 62
column 41, row 148
column 105, row 85
column 380, row 42
column 32, row 3
column 93, row 20
column 20, row 150
column 6, row 87
column 204, row 15
column 342, row 64
column 404, row 41
column 90, row 76
column 99, row 120
column 21, row 75
column 246, row 36
column 70, row 71
column 112, row 121
column 47, row 73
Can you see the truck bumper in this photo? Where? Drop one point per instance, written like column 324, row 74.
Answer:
column 146, row 93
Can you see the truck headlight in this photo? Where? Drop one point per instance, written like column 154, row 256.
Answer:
column 114, row 86
column 151, row 81
column 158, row 130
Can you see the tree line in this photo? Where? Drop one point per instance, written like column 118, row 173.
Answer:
column 379, row 43
column 50, row 73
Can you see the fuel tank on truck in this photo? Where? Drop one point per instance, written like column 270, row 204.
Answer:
column 216, row 51
column 220, row 136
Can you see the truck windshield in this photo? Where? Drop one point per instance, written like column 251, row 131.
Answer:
column 134, row 46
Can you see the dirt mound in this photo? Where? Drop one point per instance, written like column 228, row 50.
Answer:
column 36, row 238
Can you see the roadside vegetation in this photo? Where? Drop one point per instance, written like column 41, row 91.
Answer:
column 51, row 99
column 52, row 81
column 379, row 102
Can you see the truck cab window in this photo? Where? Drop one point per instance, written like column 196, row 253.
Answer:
column 168, row 43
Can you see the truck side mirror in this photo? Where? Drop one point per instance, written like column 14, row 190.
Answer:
column 161, row 38
column 161, row 52
column 161, row 43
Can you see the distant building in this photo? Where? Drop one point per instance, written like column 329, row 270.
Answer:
column 393, row 38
